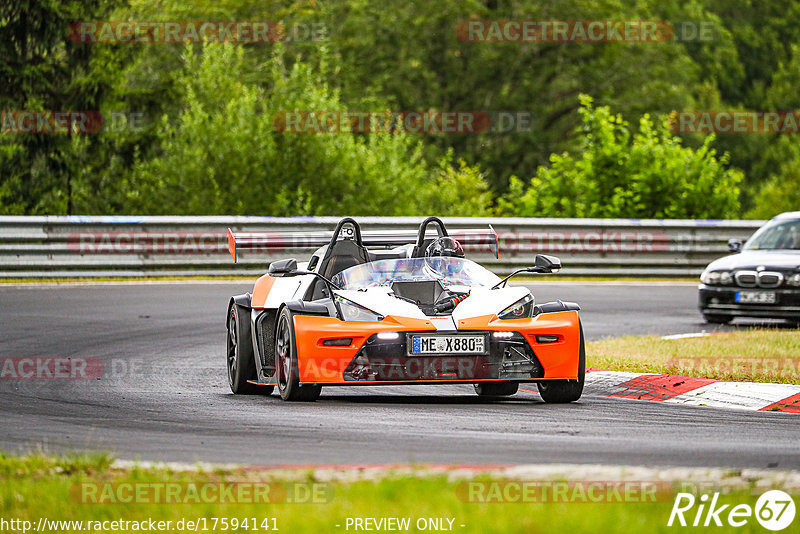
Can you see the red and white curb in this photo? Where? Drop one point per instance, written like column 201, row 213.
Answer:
column 688, row 390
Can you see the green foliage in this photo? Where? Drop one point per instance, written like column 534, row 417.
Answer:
column 40, row 69
column 28, row 493
column 781, row 192
column 222, row 154
column 37, row 465
column 408, row 52
column 209, row 145
column 779, row 159
column 619, row 173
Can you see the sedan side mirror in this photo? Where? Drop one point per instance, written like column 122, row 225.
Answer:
column 281, row 268
column 735, row 245
column 545, row 264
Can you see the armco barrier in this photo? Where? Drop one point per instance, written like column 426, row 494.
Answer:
column 57, row 246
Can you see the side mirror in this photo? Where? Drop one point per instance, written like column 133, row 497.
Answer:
column 546, row 264
column 735, row 245
column 542, row 264
column 283, row 268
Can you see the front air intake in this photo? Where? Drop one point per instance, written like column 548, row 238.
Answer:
column 769, row 279
column 746, row 278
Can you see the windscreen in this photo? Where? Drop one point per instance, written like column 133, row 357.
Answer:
column 448, row 271
column 777, row 235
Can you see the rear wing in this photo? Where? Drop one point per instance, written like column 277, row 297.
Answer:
column 238, row 241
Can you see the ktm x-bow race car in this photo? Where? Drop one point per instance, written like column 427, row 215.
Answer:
column 410, row 309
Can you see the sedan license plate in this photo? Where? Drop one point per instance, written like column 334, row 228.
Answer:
column 756, row 297
column 448, row 345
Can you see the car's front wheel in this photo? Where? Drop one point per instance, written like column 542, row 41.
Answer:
column 562, row 391
column 287, row 369
column 241, row 365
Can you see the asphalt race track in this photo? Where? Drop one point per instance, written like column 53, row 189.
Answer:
column 164, row 395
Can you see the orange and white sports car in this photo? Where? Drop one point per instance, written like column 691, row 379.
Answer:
column 410, row 309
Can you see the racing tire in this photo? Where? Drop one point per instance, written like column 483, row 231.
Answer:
column 717, row 319
column 496, row 389
column 563, row 391
column 287, row 370
column 240, row 362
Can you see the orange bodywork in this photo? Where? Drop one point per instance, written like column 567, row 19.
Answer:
column 559, row 359
column 232, row 245
column 261, row 290
column 322, row 364
column 326, row 364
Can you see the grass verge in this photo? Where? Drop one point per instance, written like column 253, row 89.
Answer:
column 758, row 355
column 41, row 488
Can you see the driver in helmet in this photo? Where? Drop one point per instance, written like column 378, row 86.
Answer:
column 438, row 253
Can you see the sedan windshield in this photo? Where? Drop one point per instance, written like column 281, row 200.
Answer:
column 778, row 235
column 449, row 271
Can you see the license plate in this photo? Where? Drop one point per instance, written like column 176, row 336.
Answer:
column 448, row 345
column 756, row 297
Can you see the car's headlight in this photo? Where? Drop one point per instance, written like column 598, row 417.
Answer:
column 355, row 312
column 794, row 280
column 522, row 309
column 713, row 278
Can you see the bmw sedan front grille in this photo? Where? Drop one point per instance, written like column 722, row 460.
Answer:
column 765, row 279
column 769, row 279
column 746, row 278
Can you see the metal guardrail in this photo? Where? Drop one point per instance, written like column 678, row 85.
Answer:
column 57, row 246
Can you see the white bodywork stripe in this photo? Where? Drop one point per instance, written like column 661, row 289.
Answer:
column 443, row 323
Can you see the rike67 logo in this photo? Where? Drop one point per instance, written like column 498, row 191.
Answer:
column 774, row 510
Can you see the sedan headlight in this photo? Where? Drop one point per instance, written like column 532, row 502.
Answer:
column 522, row 309
column 355, row 312
column 794, row 280
column 713, row 278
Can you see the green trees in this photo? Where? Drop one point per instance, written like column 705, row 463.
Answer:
column 779, row 160
column 781, row 192
column 40, row 69
column 620, row 173
column 209, row 143
column 413, row 58
column 223, row 154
